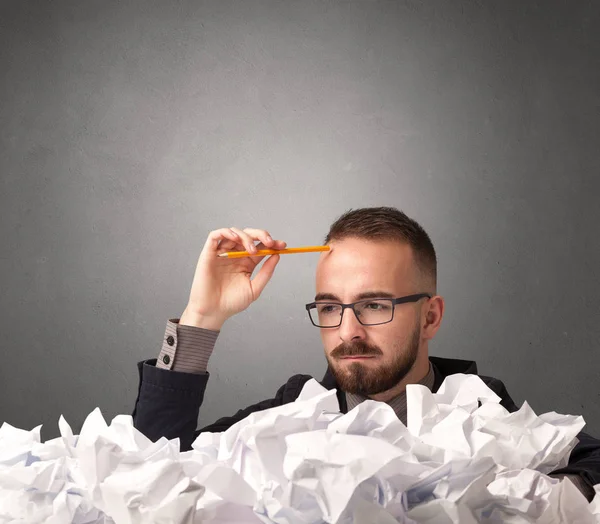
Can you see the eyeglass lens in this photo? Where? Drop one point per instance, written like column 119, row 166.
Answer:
column 368, row 312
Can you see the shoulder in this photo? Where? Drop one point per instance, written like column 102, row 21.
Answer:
column 444, row 367
column 498, row 387
column 292, row 388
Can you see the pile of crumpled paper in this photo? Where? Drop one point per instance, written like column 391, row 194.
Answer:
column 461, row 458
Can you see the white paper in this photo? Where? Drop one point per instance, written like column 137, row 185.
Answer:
column 461, row 458
column 595, row 505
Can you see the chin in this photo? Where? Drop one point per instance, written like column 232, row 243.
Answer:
column 352, row 368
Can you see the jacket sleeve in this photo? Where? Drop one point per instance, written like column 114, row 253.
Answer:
column 498, row 387
column 584, row 461
column 168, row 403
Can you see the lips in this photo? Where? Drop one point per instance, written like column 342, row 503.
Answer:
column 358, row 357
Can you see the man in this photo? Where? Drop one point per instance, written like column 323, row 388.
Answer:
column 377, row 309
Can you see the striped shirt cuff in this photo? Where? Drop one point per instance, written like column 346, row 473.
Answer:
column 186, row 348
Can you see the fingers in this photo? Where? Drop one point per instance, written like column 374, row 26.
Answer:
column 260, row 234
column 266, row 241
column 225, row 239
column 245, row 239
column 262, row 278
column 229, row 245
column 214, row 237
column 278, row 244
column 250, row 235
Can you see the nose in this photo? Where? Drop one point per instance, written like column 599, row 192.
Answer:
column 350, row 328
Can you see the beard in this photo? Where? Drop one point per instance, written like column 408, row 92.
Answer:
column 369, row 380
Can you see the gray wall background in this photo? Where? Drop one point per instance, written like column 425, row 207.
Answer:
column 129, row 130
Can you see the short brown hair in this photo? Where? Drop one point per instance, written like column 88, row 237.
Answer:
column 387, row 223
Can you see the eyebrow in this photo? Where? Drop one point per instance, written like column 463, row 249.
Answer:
column 360, row 296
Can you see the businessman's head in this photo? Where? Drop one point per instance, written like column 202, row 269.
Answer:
column 377, row 253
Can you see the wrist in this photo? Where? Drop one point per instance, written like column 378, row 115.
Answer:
column 189, row 318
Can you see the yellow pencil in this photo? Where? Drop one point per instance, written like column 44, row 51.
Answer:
column 264, row 252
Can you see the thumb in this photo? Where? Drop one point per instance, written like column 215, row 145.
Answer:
column 262, row 278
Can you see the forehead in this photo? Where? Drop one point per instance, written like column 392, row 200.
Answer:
column 356, row 265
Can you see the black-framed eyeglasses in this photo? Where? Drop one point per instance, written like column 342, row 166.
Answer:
column 369, row 312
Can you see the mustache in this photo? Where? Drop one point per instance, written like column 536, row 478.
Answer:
column 357, row 349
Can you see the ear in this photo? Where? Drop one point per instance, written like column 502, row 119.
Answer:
column 431, row 316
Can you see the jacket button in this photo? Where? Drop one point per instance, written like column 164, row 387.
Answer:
column 166, row 359
column 170, row 340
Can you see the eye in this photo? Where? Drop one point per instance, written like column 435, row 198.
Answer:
column 373, row 305
column 376, row 306
column 327, row 308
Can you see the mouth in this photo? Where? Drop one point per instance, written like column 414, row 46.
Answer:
column 358, row 357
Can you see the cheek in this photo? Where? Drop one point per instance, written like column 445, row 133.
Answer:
column 390, row 340
column 330, row 340
column 404, row 326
